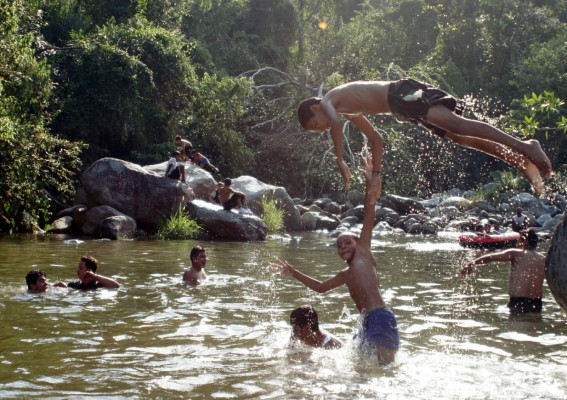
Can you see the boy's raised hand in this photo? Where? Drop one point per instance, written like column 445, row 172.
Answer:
column 282, row 267
column 373, row 178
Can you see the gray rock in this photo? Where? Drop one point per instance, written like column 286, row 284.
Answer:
column 117, row 227
column 255, row 190
column 556, row 264
column 62, row 225
column 94, row 216
column 132, row 190
column 227, row 225
column 404, row 205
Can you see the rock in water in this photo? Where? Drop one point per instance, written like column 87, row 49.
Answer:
column 556, row 264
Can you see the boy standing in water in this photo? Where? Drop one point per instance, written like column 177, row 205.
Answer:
column 421, row 104
column 527, row 272
column 379, row 327
column 196, row 273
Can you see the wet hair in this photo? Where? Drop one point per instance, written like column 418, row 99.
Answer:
column 304, row 113
column 33, row 276
column 177, row 138
column 175, row 153
column 304, row 316
column 195, row 251
column 530, row 238
column 90, row 262
column 228, row 181
column 349, row 234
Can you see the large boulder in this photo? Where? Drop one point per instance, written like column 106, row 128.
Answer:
column 227, row 225
column 200, row 181
column 93, row 217
column 129, row 188
column 556, row 264
column 256, row 190
column 117, row 227
column 404, row 205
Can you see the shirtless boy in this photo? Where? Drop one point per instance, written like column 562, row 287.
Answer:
column 527, row 272
column 305, row 329
column 185, row 148
column 230, row 198
column 88, row 278
column 421, row 104
column 379, row 328
column 37, row 281
column 196, row 273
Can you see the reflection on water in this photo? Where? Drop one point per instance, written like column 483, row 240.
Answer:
column 228, row 338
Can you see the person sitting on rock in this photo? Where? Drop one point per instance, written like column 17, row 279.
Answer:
column 230, row 198
column 174, row 170
column 519, row 220
column 215, row 195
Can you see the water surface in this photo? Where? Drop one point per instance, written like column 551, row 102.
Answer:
column 228, row 338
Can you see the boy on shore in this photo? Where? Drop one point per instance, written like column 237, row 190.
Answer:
column 379, row 328
column 421, row 104
column 196, row 273
column 185, row 148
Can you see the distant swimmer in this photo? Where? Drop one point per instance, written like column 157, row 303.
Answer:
column 422, row 104
column 196, row 274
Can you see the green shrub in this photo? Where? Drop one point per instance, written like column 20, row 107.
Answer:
column 273, row 215
column 178, row 226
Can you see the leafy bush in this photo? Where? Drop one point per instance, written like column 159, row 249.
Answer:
column 178, row 226
column 273, row 215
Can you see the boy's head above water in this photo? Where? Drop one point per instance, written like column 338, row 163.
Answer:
column 346, row 245
column 302, row 318
column 310, row 115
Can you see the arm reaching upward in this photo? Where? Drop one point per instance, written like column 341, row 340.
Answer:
column 372, row 184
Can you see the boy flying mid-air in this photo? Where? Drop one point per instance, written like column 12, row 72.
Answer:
column 379, row 328
column 422, row 104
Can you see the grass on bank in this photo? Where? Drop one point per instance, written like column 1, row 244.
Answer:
column 273, row 216
column 178, row 227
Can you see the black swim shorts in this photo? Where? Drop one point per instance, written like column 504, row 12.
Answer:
column 411, row 100
column 520, row 305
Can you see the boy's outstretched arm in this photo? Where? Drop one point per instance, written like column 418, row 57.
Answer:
column 338, row 139
column 376, row 142
column 284, row 268
column 372, row 185
column 506, row 255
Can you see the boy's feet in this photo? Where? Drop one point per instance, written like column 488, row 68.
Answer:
column 539, row 158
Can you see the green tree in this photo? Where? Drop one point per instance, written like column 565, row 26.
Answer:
column 36, row 169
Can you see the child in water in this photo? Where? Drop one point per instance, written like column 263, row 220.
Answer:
column 379, row 328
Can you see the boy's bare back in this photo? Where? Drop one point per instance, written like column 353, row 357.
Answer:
column 527, row 272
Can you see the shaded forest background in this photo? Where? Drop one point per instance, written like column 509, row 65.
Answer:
column 85, row 79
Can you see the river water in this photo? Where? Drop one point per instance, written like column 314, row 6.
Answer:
column 228, row 338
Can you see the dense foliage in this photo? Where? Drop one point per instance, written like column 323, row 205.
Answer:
column 124, row 77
